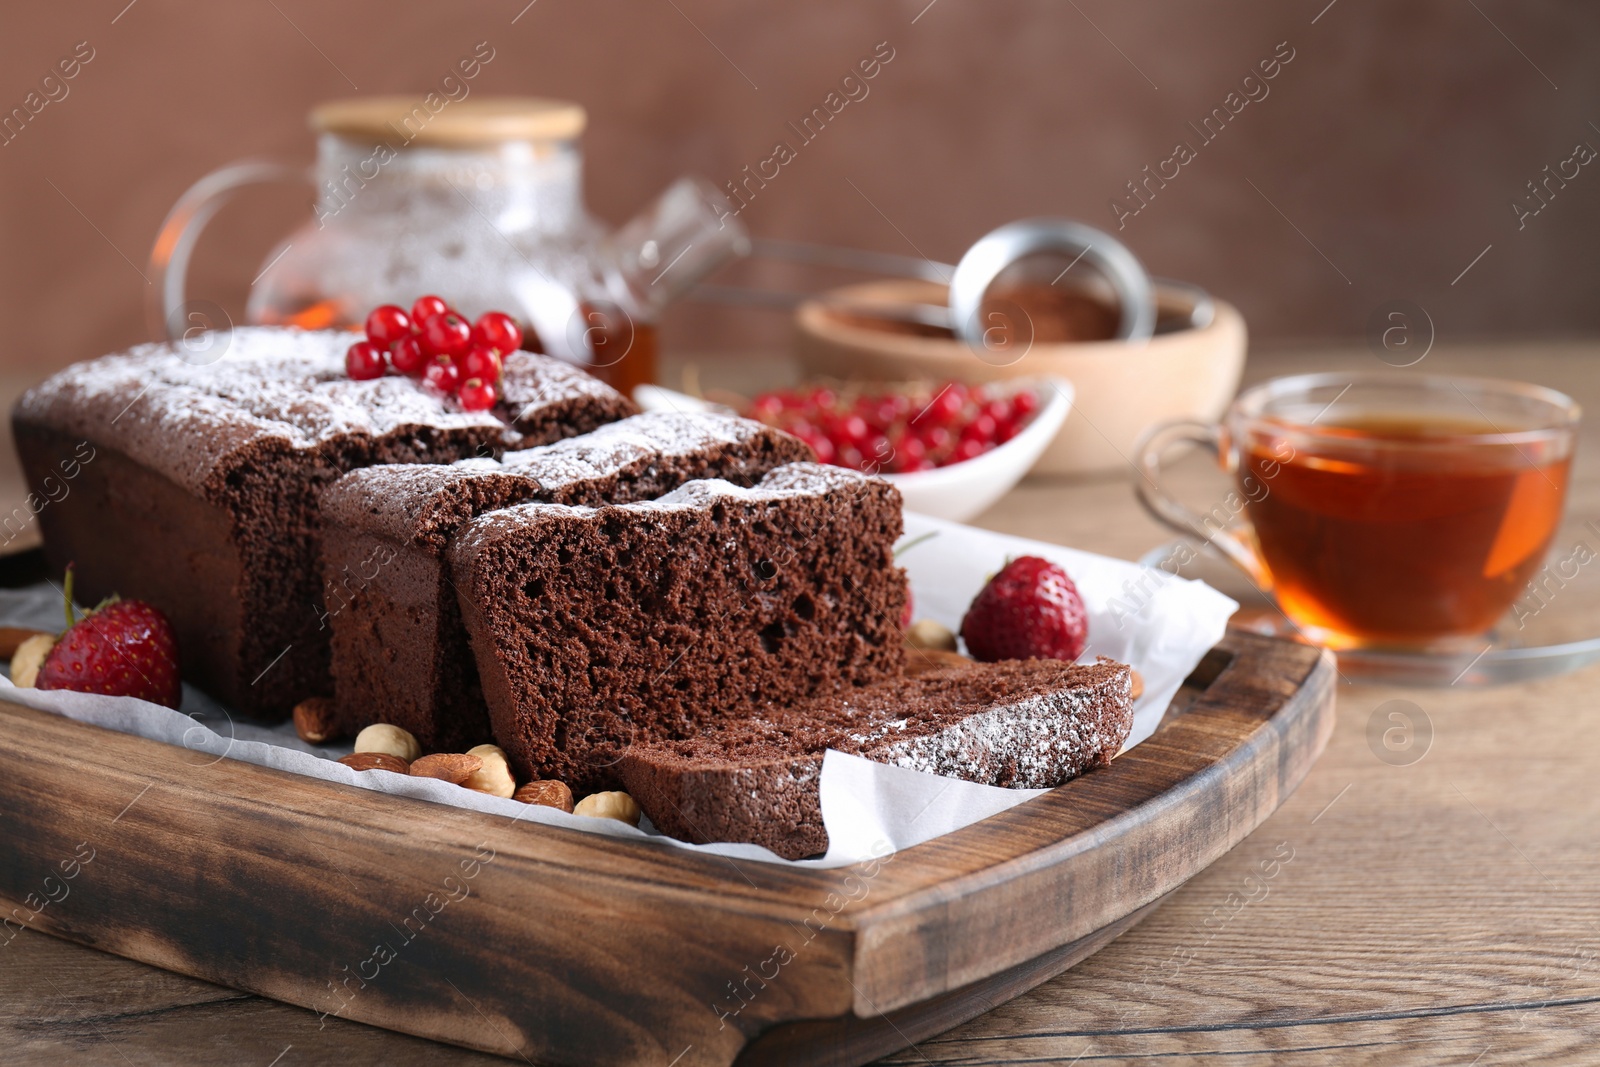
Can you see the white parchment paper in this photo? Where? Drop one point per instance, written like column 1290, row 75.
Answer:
column 1159, row 624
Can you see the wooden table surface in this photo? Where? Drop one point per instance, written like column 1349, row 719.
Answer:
column 1442, row 910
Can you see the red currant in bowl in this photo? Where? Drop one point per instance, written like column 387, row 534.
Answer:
column 951, row 448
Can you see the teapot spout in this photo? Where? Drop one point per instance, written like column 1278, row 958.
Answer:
column 664, row 251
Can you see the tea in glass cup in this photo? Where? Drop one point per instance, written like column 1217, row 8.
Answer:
column 1384, row 510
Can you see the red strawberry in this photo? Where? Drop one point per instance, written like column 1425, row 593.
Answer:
column 125, row 648
column 1030, row 610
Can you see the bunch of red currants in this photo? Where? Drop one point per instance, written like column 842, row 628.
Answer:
column 435, row 343
column 899, row 432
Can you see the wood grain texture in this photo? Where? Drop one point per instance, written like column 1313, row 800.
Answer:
column 564, row 947
column 1414, row 925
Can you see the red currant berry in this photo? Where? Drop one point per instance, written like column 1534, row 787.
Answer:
column 981, row 428
column 446, row 334
column 822, row 397
column 969, row 448
column 823, row 447
column 999, row 411
column 477, row 395
column 912, row 466
column 426, row 308
column 497, row 330
column 854, row 429
column 945, row 406
column 1023, row 403
column 364, row 361
column 387, row 325
column 910, row 449
column 481, row 362
column 887, row 410
column 442, row 375
column 408, row 357
column 849, row 456
column 935, row 438
column 766, row 407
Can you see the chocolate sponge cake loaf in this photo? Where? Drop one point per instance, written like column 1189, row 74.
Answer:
column 1026, row 724
column 201, row 488
column 400, row 651
column 595, row 628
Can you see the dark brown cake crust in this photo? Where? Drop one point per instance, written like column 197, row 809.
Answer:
column 1026, row 724
column 400, row 651
column 594, row 628
column 202, row 498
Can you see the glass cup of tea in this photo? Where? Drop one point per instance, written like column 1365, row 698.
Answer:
column 1381, row 511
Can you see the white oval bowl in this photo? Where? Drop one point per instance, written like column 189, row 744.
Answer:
column 956, row 492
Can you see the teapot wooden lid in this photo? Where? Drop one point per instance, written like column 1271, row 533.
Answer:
column 433, row 119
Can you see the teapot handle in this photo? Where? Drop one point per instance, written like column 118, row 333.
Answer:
column 169, row 257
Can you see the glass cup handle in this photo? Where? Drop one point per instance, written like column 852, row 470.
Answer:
column 169, row 257
column 1172, row 513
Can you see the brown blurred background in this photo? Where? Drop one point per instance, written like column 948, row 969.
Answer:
column 1384, row 160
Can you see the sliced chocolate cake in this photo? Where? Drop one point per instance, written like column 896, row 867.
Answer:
column 194, row 486
column 1025, row 724
column 400, row 652
column 595, row 628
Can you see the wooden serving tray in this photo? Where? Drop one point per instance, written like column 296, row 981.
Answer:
column 561, row 947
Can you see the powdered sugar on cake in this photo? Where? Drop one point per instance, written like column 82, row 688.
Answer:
column 616, row 445
column 622, row 460
column 792, row 481
column 283, row 384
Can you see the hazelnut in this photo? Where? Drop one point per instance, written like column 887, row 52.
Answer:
column 1137, row 685
column 549, row 794
column 381, row 737
column 494, row 775
column 613, row 805
column 454, row 767
column 29, row 657
column 314, row 720
column 375, row 761
column 925, row 633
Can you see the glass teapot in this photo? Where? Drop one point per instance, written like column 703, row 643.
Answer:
column 479, row 201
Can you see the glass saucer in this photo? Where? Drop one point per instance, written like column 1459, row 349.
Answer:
column 1546, row 633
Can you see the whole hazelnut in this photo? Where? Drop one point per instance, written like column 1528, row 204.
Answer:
column 612, row 805
column 925, row 633
column 381, row 737
column 493, row 775
column 29, row 657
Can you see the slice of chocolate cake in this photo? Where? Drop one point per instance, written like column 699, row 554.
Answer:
column 1024, row 724
column 594, row 628
column 400, row 652
column 195, row 484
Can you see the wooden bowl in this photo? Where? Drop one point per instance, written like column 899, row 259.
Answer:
column 1121, row 387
